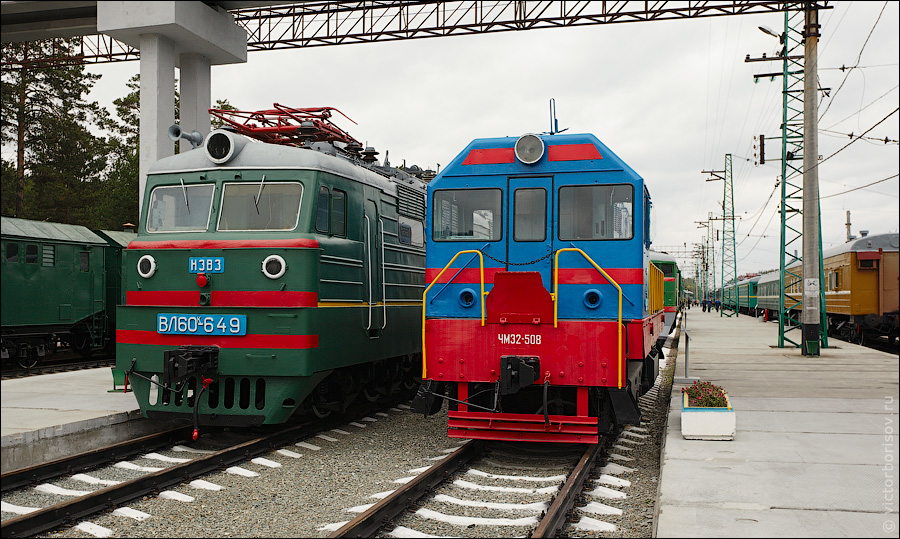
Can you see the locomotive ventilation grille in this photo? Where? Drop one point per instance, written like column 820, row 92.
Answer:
column 411, row 203
column 228, row 394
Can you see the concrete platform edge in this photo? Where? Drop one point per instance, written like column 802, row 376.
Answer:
column 26, row 449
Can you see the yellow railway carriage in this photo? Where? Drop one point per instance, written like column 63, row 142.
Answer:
column 862, row 292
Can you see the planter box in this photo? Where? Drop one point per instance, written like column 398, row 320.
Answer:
column 707, row 423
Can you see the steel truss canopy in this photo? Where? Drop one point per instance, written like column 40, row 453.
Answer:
column 274, row 25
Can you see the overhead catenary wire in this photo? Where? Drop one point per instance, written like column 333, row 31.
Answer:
column 863, row 187
column 858, row 58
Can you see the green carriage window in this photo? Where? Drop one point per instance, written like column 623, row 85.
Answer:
column 85, row 261
column 596, row 212
column 466, row 215
column 180, row 208
column 260, row 206
column 31, row 253
column 12, row 252
column 322, row 210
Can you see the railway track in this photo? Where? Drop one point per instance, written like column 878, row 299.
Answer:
column 178, row 470
column 63, row 363
column 553, row 513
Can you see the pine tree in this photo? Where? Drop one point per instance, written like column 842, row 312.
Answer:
column 44, row 111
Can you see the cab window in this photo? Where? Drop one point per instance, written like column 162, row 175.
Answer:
column 322, row 210
column 530, row 219
column 180, row 208
column 338, row 213
column 596, row 212
column 260, row 206
column 467, row 215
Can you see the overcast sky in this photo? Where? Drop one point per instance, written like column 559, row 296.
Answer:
column 671, row 98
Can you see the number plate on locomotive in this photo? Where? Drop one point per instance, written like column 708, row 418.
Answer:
column 203, row 324
column 206, row 264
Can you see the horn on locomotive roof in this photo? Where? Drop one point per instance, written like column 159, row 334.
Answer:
column 288, row 126
column 194, row 137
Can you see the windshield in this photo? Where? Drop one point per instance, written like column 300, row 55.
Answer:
column 180, row 208
column 466, row 215
column 596, row 212
column 260, row 206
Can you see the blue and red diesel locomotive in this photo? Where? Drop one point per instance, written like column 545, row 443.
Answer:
column 543, row 310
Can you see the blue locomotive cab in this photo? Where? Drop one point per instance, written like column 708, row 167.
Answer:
column 537, row 248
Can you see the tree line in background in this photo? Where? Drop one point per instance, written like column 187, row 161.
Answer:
column 74, row 161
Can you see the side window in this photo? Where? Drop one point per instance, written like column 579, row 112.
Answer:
column 12, row 252
column 530, row 215
column 338, row 213
column 85, row 261
column 322, row 210
column 31, row 253
column 412, row 232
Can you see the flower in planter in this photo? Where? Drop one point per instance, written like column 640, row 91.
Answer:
column 705, row 395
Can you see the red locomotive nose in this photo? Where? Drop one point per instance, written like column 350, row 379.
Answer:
column 202, row 280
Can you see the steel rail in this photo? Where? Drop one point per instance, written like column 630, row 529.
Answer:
column 367, row 523
column 555, row 516
column 110, row 497
column 89, row 459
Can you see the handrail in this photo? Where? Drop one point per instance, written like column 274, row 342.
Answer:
column 369, row 266
column 425, row 293
column 657, row 289
column 383, row 284
column 555, row 297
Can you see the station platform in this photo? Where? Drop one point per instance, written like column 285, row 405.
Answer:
column 52, row 416
column 815, row 448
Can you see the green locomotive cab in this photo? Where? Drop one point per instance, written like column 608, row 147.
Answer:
column 278, row 278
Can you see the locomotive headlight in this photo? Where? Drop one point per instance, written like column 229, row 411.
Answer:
column 146, row 266
column 529, row 149
column 219, row 147
column 274, row 266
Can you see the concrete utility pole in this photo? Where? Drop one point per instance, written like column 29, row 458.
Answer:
column 848, row 225
column 811, row 315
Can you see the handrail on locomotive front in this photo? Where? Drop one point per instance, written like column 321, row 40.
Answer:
column 425, row 293
column 555, row 296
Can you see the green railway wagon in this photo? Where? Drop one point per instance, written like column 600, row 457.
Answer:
column 270, row 278
column 672, row 289
column 55, row 289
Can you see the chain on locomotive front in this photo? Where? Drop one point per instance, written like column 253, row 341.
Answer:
column 543, row 309
column 267, row 276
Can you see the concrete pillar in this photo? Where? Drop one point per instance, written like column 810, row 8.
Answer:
column 157, row 102
column 195, row 94
column 190, row 35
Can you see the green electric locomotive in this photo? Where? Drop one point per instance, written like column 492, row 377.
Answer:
column 270, row 276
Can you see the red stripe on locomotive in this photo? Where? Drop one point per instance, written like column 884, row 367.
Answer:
column 225, row 244
column 222, row 298
column 566, row 275
column 490, row 156
column 135, row 336
column 572, row 152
